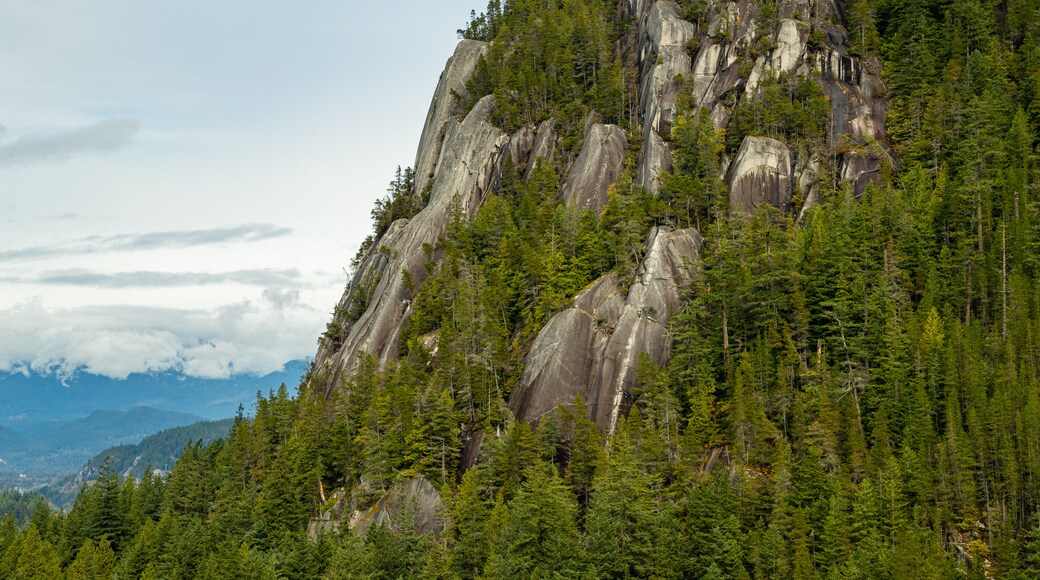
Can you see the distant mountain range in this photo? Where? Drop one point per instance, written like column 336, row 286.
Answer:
column 41, row 452
column 34, row 398
column 50, row 428
column 158, row 451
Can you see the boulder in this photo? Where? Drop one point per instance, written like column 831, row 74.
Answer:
column 414, row 500
column 760, row 173
column 597, row 167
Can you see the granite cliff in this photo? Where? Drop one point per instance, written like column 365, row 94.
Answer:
column 718, row 64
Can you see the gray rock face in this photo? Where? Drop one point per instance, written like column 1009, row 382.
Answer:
column 760, row 173
column 597, row 167
column 643, row 325
column 567, row 353
column 663, row 55
column 654, row 160
column 544, row 146
column 593, row 348
column 470, row 153
column 859, row 168
column 445, row 106
column 807, row 171
column 415, row 497
column 531, row 144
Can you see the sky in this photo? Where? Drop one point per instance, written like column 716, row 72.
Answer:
column 183, row 184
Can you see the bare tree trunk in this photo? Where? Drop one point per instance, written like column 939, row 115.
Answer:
column 1003, row 280
column 725, row 335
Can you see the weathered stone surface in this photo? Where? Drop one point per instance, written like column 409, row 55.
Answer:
column 642, row 326
column 859, row 168
column 664, row 55
column 791, row 36
column 444, row 107
column 597, row 167
column 566, row 353
column 760, row 173
column 593, row 348
column 654, row 159
column 544, row 145
column 531, row 144
column 807, row 170
column 469, row 156
column 415, row 497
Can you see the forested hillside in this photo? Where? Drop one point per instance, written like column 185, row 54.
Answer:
column 674, row 290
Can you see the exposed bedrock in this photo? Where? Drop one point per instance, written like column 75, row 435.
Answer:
column 444, row 107
column 760, row 173
column 663, row 56
column 597, row 167
column 395, row 264
column 415, row 497
column 654, row 159
column 530, row 145
column 593, row 348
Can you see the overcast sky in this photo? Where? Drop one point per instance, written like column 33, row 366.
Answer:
column 183, row 183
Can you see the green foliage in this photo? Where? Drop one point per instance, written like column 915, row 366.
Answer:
column 851, row 395
column 548, row 60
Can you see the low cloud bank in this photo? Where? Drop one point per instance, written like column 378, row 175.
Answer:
column 244, row 337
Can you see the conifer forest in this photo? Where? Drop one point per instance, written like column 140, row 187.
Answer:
column 691, row 289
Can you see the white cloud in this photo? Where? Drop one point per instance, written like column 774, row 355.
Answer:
column 108, row 135
column 243, row 337
column 244, row 233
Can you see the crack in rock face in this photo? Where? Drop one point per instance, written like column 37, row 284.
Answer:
column 593, row 348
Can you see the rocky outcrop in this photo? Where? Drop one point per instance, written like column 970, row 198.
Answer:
column 663, row 57
column 414, row 501
column 445, row 106
column 567, row 354
column 597, row 167
column 396, row 263
column 654, row 160
column 664, row 54
column 593, row 348
column 544, row 146
column 530, row 145
column 760, row 173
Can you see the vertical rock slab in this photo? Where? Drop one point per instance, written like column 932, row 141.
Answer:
column 567, row 352
column 396, row 262
column 444, row 107
column 593, row 348
column 760, row 173
column 601, row 161
column 654, row 159
column 663, row 56
column 791, row 37
column 544, row 146
column 416, row 498
column 642, row 326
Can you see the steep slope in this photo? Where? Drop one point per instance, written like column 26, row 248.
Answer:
column 741, row 59
column 799, row 358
